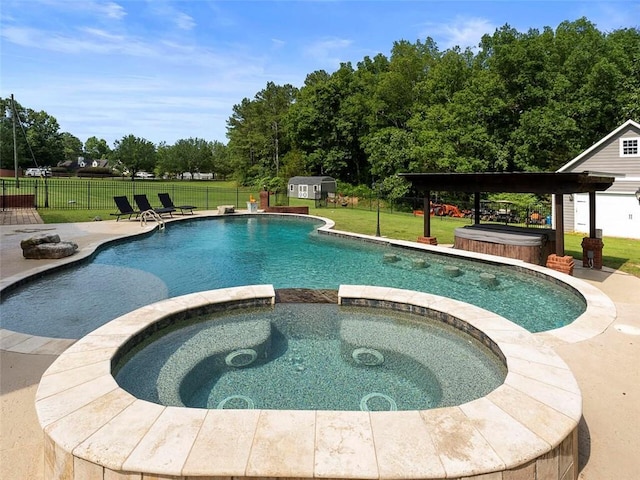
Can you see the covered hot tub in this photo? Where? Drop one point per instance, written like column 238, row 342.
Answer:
column 531, row 245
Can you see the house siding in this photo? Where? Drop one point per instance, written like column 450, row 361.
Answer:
column 568, row 204
column 607, row 159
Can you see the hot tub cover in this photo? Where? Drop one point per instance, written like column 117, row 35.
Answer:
column 505, row 235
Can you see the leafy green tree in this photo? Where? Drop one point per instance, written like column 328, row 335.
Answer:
column 273, row 103
column 7, row 137
column 244, row 140
column 73, row 147
column 623, row 50
column 96, row 148
column 38, row 138
column 390, row 150
column 257, row 133
column 193, row 155
column 44, row 138
column 396, row 91
column 166, row 162
column 221, row 162
column 327, row 122
column 133, row 154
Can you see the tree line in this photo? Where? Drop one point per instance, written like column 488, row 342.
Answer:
column 520, row 102
column 38, row 141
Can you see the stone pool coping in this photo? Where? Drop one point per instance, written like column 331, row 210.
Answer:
column 94, row 428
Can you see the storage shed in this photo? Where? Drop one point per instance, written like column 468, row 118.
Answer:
column 314, row 188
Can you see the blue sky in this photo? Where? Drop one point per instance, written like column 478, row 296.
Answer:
column 165, row 70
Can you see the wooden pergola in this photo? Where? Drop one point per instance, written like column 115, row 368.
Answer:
column 554, row 183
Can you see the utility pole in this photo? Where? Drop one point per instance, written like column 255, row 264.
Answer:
column 15, row 144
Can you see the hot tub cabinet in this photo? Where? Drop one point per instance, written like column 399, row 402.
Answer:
column 532, row 245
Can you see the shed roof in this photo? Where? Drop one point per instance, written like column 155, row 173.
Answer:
column 510, row 182
column 311, row 180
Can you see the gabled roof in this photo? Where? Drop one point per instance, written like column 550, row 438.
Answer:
column 616, row 132
column 310, row 180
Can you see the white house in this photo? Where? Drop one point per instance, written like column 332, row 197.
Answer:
column 617, row 208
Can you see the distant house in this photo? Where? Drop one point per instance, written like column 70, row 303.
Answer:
column 82, row 162
column 617, row 209
column 314, row 188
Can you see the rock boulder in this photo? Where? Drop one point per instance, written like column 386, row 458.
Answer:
column 46, row 245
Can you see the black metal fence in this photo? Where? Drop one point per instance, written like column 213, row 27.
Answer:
column 534, row 215
column 97, row 194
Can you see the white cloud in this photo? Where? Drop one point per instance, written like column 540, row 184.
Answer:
column 168, row 13
column 112, row 10
column 184, row 21
column 109, row 10
column 462, row 32
column 328, row 51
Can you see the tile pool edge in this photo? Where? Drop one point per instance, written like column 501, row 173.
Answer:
column 93, row 427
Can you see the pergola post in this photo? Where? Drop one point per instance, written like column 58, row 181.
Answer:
column 592, row 246
column 426, row 208
column 559, row 224
column 558, row 261
column 592, row 214
column 476, row 207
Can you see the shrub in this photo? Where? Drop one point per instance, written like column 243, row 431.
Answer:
column 94, row 172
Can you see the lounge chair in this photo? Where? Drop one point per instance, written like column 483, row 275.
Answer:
column 143, row 204
column 124, row 208
column 166, row 202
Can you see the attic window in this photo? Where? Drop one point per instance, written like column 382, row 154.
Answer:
column 630, row 147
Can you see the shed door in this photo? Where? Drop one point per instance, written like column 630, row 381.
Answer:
column 303, row 191
column 581, row 212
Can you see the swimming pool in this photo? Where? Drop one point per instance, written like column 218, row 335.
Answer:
column 288, row 252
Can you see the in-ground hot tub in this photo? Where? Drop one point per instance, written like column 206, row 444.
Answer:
column 93, row 428
column 531, row 245
column 310, row 356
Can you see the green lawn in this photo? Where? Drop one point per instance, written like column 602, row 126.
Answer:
column 94, row 196
column 618, row 253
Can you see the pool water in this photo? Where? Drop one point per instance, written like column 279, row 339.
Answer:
column 311, row 357
column 286, row 252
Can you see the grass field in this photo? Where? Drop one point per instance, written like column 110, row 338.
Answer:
column 94, row 196
column 618, row 253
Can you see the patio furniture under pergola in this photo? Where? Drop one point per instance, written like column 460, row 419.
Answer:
column 557, row 184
